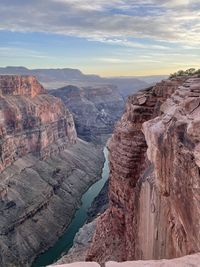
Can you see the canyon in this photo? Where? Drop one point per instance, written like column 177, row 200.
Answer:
column 154, row 181
column 45, row 169
column 96, row 103
column 150, row 213
column 95, row 110
column 154, row 177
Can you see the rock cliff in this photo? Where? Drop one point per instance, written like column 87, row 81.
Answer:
column 95, row 110
column 31, row 120
column 44, row 168
column 20, row 85
column 154, row 183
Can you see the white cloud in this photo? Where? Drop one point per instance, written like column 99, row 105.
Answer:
column 175, row 3
column 9, row 51
column 127, row 61
column 97, row 5
column 131, row 44
column 114, row 21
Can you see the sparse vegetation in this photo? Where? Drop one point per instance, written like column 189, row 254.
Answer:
column 188, row 72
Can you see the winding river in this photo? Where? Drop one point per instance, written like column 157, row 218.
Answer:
column 65, row 242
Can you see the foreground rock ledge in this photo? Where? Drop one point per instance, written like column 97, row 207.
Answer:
column 190, row 260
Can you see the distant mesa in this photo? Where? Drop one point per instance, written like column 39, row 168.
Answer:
column 55, row 78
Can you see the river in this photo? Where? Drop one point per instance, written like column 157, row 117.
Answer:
column 65, row 242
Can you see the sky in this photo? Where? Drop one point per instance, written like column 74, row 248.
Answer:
column 105, row 37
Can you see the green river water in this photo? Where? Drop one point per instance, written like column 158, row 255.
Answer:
column 65, row 242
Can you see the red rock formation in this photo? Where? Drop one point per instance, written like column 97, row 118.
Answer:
column 31, row 120
column 44, row 169
column 20, row 85
column 173, row 145
column 154, row 203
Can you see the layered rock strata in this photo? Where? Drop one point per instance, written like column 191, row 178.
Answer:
column 44, row 169
column 31, row 120
column 153, row 194
column 95, row 110
column 20, row 85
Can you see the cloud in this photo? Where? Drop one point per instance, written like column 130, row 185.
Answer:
column 115, row 22
column 98, row 5
column 127, row 61
column 10, row 52
column 175, row 3
column 132, row 44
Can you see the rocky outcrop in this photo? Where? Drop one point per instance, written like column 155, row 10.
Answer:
column 95, row 110
column 192, row 260
column 44, row 169
column 173, row 150
column 153, row 193
column 31, row 120
column 81, row 244
column 20, row 85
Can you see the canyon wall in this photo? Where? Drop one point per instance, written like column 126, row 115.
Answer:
column 95, row 110
column 154, row 178
column 44, row 168
column 31, row 120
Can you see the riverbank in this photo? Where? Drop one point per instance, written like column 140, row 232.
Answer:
column 65, row 242
column 81, row 244
column 42, row 199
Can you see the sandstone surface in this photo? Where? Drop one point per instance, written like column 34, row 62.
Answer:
column 79, row 264
column 187, row 261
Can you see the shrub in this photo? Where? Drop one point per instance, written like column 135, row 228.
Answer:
column 188, row 72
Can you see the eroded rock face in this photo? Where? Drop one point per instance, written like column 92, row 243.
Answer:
column 31, row 120
column 95, row 110
column 173, row 144
column 153, row 197
column 44, row 168
column 20, row 85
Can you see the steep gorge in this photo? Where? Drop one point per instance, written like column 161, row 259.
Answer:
column 154, row 178
column 44, row 167
column 95, row 109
